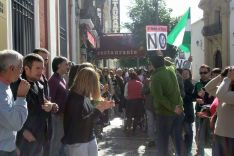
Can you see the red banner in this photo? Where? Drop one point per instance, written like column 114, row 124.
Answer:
column 91, row 39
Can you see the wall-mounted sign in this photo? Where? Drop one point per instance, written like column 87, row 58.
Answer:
column 156, row 37
column 115, row 16
column 118, row 46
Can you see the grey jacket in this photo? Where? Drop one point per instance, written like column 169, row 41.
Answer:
column 13, row 114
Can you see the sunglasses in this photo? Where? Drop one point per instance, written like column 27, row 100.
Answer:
column 203, row 73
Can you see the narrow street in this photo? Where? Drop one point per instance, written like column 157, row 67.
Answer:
column 116, row 143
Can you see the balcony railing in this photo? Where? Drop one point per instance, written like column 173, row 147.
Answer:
column 212, row 30
column 90, row 12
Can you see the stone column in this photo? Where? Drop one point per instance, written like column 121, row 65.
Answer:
column 225, row 14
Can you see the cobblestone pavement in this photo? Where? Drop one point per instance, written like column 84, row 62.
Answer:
column 116, row 143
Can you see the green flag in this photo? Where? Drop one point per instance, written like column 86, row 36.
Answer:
column 180, row 36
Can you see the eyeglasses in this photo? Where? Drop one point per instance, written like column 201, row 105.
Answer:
column 203, row 73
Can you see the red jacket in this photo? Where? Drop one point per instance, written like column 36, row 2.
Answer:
column 134, row 89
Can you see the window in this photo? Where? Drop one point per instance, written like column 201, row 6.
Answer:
column 23, row 26
column 63, row 27
column 217, row 17
column 218, row 59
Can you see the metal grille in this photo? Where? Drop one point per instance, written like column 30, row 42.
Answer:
column 23, row 25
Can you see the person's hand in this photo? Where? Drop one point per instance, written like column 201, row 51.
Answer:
column 201, row 93
column 178, row 110
column 202, row 114
column 47, row 106
column 28, row 136
column 55, row 108
column 199, row 101
column 105, row 105
column 23, row 88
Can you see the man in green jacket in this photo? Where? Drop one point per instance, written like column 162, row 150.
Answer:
column 168, row 105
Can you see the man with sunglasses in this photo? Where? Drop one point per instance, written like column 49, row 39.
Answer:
column 205, row 99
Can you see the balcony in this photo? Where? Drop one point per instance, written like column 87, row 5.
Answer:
column 89, row 14
column 100, row 3
column 212, row 30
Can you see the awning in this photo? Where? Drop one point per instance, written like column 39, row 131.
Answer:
column 118, row 46
column 91, row 39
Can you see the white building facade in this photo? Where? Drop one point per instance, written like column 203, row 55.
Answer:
column 197, row 48
column 232, row 32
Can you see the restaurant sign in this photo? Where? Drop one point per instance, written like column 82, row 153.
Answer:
column 115, row 16
column 118, row 46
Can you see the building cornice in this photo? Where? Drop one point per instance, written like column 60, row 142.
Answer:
column 203, row 4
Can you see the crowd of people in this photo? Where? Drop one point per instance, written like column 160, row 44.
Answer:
column 65, row 114
column 41, row 117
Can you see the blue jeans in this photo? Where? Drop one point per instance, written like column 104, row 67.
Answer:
column 169, row 126
column 197, row 125
column 31, row 148
column 223, row 146
column 57, row 148
column 188, row 137
column 203, row 135
column 150, row 125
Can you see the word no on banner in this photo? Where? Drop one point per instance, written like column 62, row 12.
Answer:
column 156, row 37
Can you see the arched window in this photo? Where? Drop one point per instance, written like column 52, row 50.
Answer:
column 218, row 59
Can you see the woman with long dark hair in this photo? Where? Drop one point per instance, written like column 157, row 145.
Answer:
column 188, row 110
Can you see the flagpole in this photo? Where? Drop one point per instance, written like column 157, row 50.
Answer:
column 156, row 16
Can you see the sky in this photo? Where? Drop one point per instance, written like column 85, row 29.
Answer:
column 179, row 7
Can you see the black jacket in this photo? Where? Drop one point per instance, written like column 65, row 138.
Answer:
column 79, row 119
column 207, row 98
column 188, row 101
column 38, row 121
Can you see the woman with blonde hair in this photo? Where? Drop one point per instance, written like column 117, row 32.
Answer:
column 80, row 114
